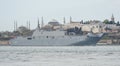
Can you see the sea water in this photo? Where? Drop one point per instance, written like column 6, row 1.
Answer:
column 60, row 56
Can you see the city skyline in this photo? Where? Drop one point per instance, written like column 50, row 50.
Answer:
column 29, row 10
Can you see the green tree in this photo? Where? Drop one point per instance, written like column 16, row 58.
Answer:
column 106, row 21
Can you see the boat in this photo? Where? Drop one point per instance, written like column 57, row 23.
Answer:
column 59, row 37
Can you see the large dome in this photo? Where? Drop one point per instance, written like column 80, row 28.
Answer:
column 54, row 22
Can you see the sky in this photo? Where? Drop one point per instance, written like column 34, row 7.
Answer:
column 30, row 10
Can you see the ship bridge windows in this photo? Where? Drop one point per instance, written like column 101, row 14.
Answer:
column 50, row 37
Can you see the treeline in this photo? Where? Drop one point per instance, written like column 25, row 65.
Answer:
column 106, row 21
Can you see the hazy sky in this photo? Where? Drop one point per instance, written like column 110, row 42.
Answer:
column 30, row 10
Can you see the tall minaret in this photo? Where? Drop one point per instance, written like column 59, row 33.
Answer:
column 29, row 25
column 42, row 22
column 70, row 19
column 14, row 26
column 64, row 21
column 38, row 27
column 112, row 18
column 38, row 24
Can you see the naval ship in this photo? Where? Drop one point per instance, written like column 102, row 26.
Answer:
column 59, row 37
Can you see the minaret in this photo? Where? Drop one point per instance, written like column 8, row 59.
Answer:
column 70, row 19
column 29, row 25
column 38, row 27
column 14, row 26
column 42, row 22
column 38, row 24
column 112, row 18
column 64, row 21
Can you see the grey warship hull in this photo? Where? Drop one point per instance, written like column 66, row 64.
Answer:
column 61, row 41
column 92, row 41
column 70, row 37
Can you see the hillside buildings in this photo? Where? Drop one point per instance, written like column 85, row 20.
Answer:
column 92, row 25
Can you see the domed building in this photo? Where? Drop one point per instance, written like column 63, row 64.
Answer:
column 52, row 25
column 54, row 22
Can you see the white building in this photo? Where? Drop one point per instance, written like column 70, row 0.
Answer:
column 94, row 27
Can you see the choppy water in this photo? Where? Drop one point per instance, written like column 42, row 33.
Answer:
column 60, row 56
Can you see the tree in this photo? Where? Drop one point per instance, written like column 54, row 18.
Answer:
column 111, row 22
column 106, row 21
column 118, row 24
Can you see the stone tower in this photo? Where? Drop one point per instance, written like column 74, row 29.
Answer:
column 112, row 18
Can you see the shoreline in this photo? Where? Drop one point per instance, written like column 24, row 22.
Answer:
column 4, row 43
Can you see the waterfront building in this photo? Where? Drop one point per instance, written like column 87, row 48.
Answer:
column 93, row 26
column 53, row 22
column 52, row 25
column 74, row 24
